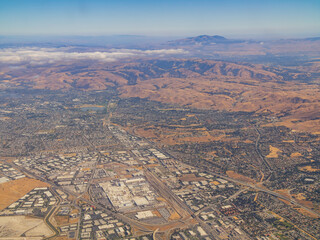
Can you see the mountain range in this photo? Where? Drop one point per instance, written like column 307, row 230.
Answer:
column 291, row 95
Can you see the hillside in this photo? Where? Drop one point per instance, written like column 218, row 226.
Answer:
column 203, row 84
column 98, row 76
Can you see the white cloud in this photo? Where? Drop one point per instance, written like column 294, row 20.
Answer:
column 51, row 55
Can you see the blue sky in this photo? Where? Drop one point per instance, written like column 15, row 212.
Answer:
column 233, row 18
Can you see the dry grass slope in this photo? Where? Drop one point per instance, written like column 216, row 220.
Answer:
column 194, row 83
column 13, row 190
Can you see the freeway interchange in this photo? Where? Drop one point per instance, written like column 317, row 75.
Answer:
column 186, row 219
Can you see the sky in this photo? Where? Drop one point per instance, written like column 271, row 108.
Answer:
column 231, row 18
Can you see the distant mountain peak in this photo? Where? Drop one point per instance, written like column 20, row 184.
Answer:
column 207, row 37
column 204, row 40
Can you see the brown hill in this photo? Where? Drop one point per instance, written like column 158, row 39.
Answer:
column 101, row 76
column 194, row 83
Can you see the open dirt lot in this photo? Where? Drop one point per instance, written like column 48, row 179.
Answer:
column 12, row 227
column 14, row 190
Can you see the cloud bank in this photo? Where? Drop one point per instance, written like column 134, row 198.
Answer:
column 52, row 55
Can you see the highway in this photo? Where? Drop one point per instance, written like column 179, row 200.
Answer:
column 49, row 215
column 260, row 189
column 255, row 187
column 92, row 174
column 98, row 206
column 144, row 227
column 187, row 215
column 177, row 204
column 238, row 193
column 266, row 163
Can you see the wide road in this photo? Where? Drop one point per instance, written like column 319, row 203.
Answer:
column 177, row 203
column 116, row 215
column 144, row 227
column 183, row 210
column 260, row 189
column 255, row 187
column 49, row 215
column 263, row 159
